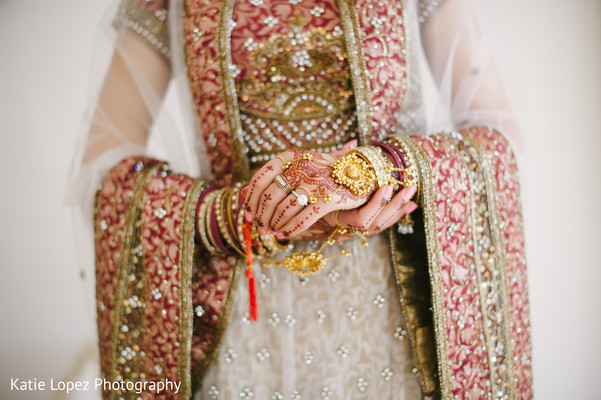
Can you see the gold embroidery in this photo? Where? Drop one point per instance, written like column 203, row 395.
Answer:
column 186, row 313
column 229, row 90
column 124, row 359
column 502, row 347
column 300, row 75
column 359, row 78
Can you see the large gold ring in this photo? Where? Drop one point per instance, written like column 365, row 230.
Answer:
column 282, row 183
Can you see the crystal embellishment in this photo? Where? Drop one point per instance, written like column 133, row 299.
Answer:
column 352, row 313
column 160, row 213
column 362, row 384
column 230, row 355
column 379, row 301
column 400, row 333
column 290, row 320
column 262, row 354
column 199, row 311
column 274, row 320
column 309, row 357
column 270, row 21
column 342, row 351
column 213, row 392
column 386, row 374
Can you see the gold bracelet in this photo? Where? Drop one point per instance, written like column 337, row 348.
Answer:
column 382, row 167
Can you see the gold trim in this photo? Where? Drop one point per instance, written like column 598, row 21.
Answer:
column 125, row 259
column 186, row 258
column 201, row 369
column 428, row 204
column 499, row 244
column 224, row 30
column 478, row 257
column 352, row 35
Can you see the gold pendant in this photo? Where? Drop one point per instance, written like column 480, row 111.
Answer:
column 305, row 263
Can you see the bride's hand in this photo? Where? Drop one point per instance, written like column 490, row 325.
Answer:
column 284, row 212
column 379, row 213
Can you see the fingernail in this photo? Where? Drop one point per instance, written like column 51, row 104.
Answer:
column 243, row 191
column 279, row 235
column 411, row 208
column 350, row 145
column 248, row 216
column 409, row 192
column 388, row 191
column 261, row 230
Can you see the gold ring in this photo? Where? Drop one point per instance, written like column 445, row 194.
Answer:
column 282, row 183
column 286, row 163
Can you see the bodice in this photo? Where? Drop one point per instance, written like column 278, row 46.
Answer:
column 268, row 75
column 292, row 76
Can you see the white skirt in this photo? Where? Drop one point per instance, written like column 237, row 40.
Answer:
column 339, row 334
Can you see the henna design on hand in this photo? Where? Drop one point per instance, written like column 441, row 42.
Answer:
column 268, row 168
column 316, row 173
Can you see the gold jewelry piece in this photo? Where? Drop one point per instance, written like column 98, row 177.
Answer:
column 355, row 173
column 311, row 262
column 382, row 167
column 410, row 175
column 282, row 159
column 313, row 197
column 282, row 183
column 405, row 225
column 287, row 164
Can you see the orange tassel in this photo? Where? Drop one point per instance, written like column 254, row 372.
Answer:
column 252, row 290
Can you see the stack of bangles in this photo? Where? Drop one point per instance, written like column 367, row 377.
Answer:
column 219, row 222
column 403, row 160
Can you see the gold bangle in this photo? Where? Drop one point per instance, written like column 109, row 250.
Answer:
column 410, row 173
column 382, row 167
column 201, row 222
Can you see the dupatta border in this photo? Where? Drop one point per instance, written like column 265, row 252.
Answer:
column 500, row 272
column 126, row 256
column 225, row 318
column 350, row 27
column 185, row 306
column 428, row 204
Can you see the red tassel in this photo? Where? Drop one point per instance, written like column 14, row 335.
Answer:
column 252, row 290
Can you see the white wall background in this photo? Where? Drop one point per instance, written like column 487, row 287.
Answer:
column 45, row 57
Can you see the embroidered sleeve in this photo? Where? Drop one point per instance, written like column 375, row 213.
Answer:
column 147, row 19
column 427, row 8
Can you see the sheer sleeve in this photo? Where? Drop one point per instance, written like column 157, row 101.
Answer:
column 458, row 42
column 128, row 102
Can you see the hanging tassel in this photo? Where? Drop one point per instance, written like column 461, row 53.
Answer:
column 252, row 290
